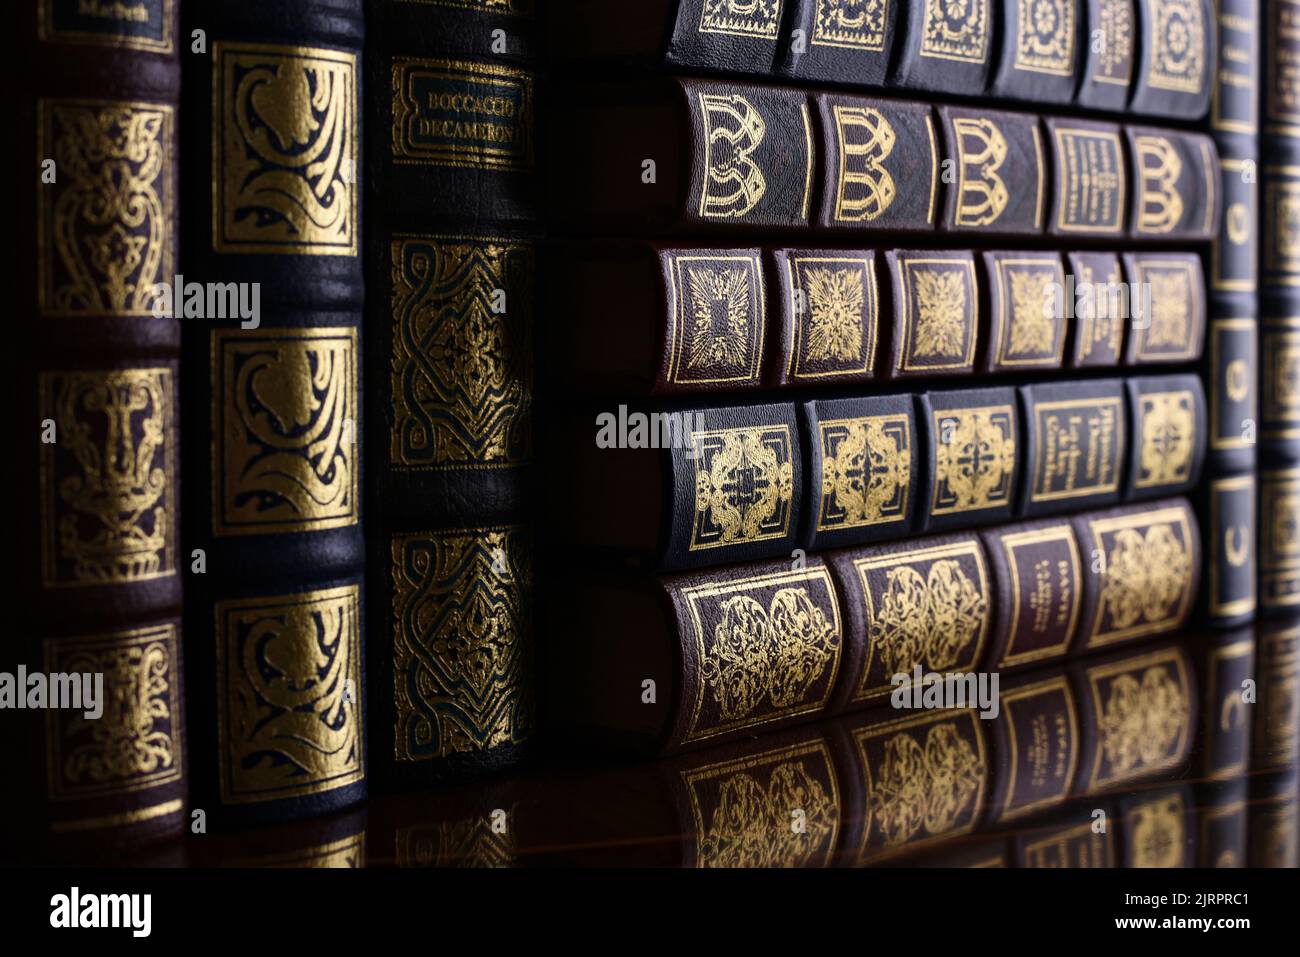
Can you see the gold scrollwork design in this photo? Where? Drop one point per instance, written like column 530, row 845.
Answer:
column 1168, row 429
column 864, row 187
column 942, row 312
column 866, row 471
column 1160, row 168
column 981, row 150
column 924, row 786
column 1177, row 60
column 744, row 483
column 975, row 459
column 851, row 24
column 1045, row 43
column 1142, row 719
column 760, row 19
column 733, row 180
column 1033, row 329
column 926, row 619
column 955, row 30
column 1145, row 577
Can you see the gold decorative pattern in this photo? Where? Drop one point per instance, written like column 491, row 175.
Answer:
column 1172, row 330
column 1099, row 337
column 866, row 471
column 284, row 150
column 1167, row 438
column 105, row 229
column 744, row 809
column 734, row 182
column 1144, row 713
column 864, row 187
column 975, row 459
column 1114, row 64
column 1171, row 297
column 1279, row 537
column 137, row 742
column 851, row 24
column 1280, row 381
column 1281, row 234
column 744, row 485
column 759, row 19
column 1045, row 41
column 768, row 649
column 1090, row 180
column 1032, row 335
column 1079, row 445
column 462, row 641
column 289, row 694
column 835, row 332
column 956, row 30
column 981, row 150
column 718, row 318
column 284, row 429
column 1177, row 45
column 461, row 368
column 1146, row 575
column 1159, row 167
column 937, row 302
column 141, row 25
column 1158, row 828
column 108, row 485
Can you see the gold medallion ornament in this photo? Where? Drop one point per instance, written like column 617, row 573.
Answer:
column 1280, row 385
column 744, row 485
column 1143, row 716
column 462, row 641
column 955, row 30
column 1167, row 438
column 1158, row 828
column 834, row 304
column 105, row 227
column 137, row 742
column 461, row 369
column 866, row 471
column 285, row 429
column 937, row 298
column 289, row 694
column 733, row 181
column 108, row 492
column 1177, row 45
column 1031, row 332
column 718, row 317
column 864, row 186
column 850, row 24
column 284, row 150
column 759, row 19
column 981, row 150
column 1146, row 575
column 1045, row 42
column 975, row 459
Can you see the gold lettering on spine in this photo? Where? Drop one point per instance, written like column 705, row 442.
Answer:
column 1114, row 64
column 289, row 694
column 284, row 150
column 113, row 18
column 1090, row 181
column 1078, row 448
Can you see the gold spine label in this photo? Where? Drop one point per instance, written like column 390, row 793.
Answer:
column 1078, row 445
column 768, row 649
column 938, row 303
column 1113, row 64
column 744, row 485
column 461, row 369
column 1146, row 574
column 137, row 24
column 717, row 317
column 462, row 113
column 974, row 459
column 1166, row 438
column 462, row 642
column 956, row 31
column 284, row 150
column 1280, row 380
column 1046, row 593
column 106, row 226
column 1176, row 47
column 926, row 607
column 108, row 485
column 835, row 308
column 137, row 742
column 851, row 24
column 1279, row 538
column 1177, row 292
column 285, row 419
column 289, row 694
column 1042, row 744
column 1032, row 334
column 866, row 471
column 1143, row 710
column 1234, row 400
column 743, row 809
column 1090, row 181
column 1099, row 334
column 1045, row 40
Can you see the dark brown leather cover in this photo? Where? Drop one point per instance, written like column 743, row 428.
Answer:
column 1167, row 423
column 1034, row 745
column 1075, row 439
column 1175, row 179
column 999, row 163
column 947, row 47
column 1025, row 306
column 1166, row 306
column 1043, row 46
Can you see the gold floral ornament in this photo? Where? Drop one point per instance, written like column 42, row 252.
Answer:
column 1046, row 40
column 741, row 18
column 926, row 619
column 923, row 787
column 106, row 227
column 751, row 823
column 955, row 30
column 744, row 485
column 866, row 469
column 1168, row 427
column 941, row 312
column 1171, row 304
column 772, row 654
column 285, row 150
column 1158, row 829
column 720, row 318
column 1178, row 46
column 851, row 24
column 835, row 303
column 107, row 493
column 975, row 458
column 1142, row 721
column 1033, row 330
column 1144, row 576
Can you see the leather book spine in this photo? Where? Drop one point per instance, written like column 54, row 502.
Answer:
column 1279, row 373
column 1034, row 747
column 1095, row 315
column 839, row 42
column 1157, row 682
column 1142, row 570
column 932, row 306
column 96, row 559
column 1075, row 439
column 1177, row 52
column 1042, row 50
column 1025, row 325
column 1225, row 662
column 947, row 48
column 1231, row 379
column 1166, row 306
column 1175, row 179
column 1068, row 838
column 1169, row 812
column 1275, row 745
column 999, row 163
column 1280, row 102
column 862, row 478
column 272, row 410
column 724, row 37
column 1108, row 67
column 1167, row 423
column 1038, row 574
column 1279, row 258
column 1229, row 507
column 972, row 447
column 1090, row 177
column 1279, row 539
column 1222, row 823
column 450, row 252
column 926, row 603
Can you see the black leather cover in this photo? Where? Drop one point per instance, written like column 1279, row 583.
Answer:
column 863, row 479
column 1108, row 68
column 1177, row 54
column 999, row 162
column 1279, row 260
column 973, row 451
column 1041, row 51
column 1280, row 104
column 846, row 43
column 1166, row 306
column 945, row 47
column 723, row 37
column 1235, row 95
column 1175, row 179
column 1231, row 373
column 1026, row 308
column 1229, row 506
column 1234, row 258
column 1167, row 423
column 1075, row 439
